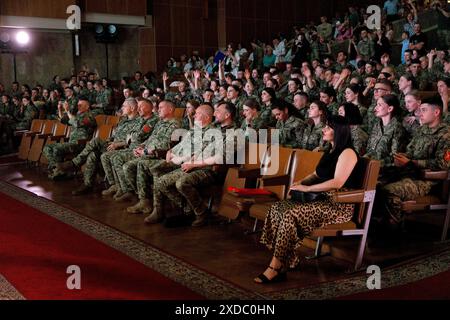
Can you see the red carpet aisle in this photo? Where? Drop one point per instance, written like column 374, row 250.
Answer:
column 36, row 250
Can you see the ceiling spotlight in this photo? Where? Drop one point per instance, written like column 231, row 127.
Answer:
column 99, row 29
column 22, row 38
column 4, row 37
column 112, row 29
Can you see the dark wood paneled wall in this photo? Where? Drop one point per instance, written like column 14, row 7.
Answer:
column 36, row 8
column 122, row 7
column 57, row 8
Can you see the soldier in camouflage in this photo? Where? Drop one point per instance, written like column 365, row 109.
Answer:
column 195, row 171
column 96, row 147
column 136, row 137
column 289, row 127
column 388, row 135
column 312, row 135
column 83, row 125
column 102, row 99
column 429, row 150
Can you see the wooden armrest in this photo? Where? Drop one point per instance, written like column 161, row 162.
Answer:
column 352, row 196
column 31, row 134
column 56, row 138
column 249, row 173
column 20, row 132
column 43, row 135
column 436, row 175
column 275, row 181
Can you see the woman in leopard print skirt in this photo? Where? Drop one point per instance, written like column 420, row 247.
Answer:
column 288, row 222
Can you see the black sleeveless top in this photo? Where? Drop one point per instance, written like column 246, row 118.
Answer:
column 327, row 166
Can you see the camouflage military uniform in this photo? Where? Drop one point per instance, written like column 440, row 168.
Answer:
column 178, row 185
column 333, row 108
column 94, row 149
column 385, row 141
column 6, row 110
column 256, row 124
column 73, row 104
column 312, row 136
column 359, row 139
column 370, row 118
column 411, row 128
column 239, row 104
column 179, row 99
column 303, row 113
column 136, row 85
column 138, row 135
column 431, row 149
column 92, row 96
column 132, row 174
column 366, row 49
column 266, row 115
column 102, row 100
column 24, row 119
column 83, row 126
column 291, row 132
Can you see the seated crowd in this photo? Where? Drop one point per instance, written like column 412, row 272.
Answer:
column 350, row 105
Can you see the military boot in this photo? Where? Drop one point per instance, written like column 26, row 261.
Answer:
column 111, row 191
column 155, row 217
column 127, row 196
column 66, row 166
column 140, row 207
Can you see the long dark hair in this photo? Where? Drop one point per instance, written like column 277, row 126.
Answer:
column 342, row 135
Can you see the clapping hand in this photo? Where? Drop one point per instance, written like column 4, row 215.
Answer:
column 401, row 160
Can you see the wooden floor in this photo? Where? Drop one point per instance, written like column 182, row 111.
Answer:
column 221, row 249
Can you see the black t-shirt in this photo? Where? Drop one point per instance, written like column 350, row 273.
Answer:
column 415, row 39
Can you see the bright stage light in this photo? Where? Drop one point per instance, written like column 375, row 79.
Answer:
column 22, row 38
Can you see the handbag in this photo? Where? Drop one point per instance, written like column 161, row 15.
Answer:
column 305, row 197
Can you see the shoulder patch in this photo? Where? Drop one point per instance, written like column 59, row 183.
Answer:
column 447, row 156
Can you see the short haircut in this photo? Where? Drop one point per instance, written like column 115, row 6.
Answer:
column 434, row 101
column 230, row 107
column 252, row 103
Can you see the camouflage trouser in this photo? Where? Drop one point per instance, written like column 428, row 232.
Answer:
column 91, row 157
column 139, row 177
column 177, row 185
column 106, row 159
column 56, row 152
column 118, row 163
column 403, row 190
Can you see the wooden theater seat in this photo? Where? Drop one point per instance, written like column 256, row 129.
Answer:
column 27, row 137
column 179, row 113
column 112, row 120
column 243, row 176
column 363, row 199
column 282, row 161
column 39, row 141
column 59, row 134
column 432, row 203
column 304, row 162
column 100, row 119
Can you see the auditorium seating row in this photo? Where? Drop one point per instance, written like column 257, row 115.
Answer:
column 290, row 165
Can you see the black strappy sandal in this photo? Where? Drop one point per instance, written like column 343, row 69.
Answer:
column 280, row 276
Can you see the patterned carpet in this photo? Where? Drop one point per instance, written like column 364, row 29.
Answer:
column 7, row 291
column 206, row 284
